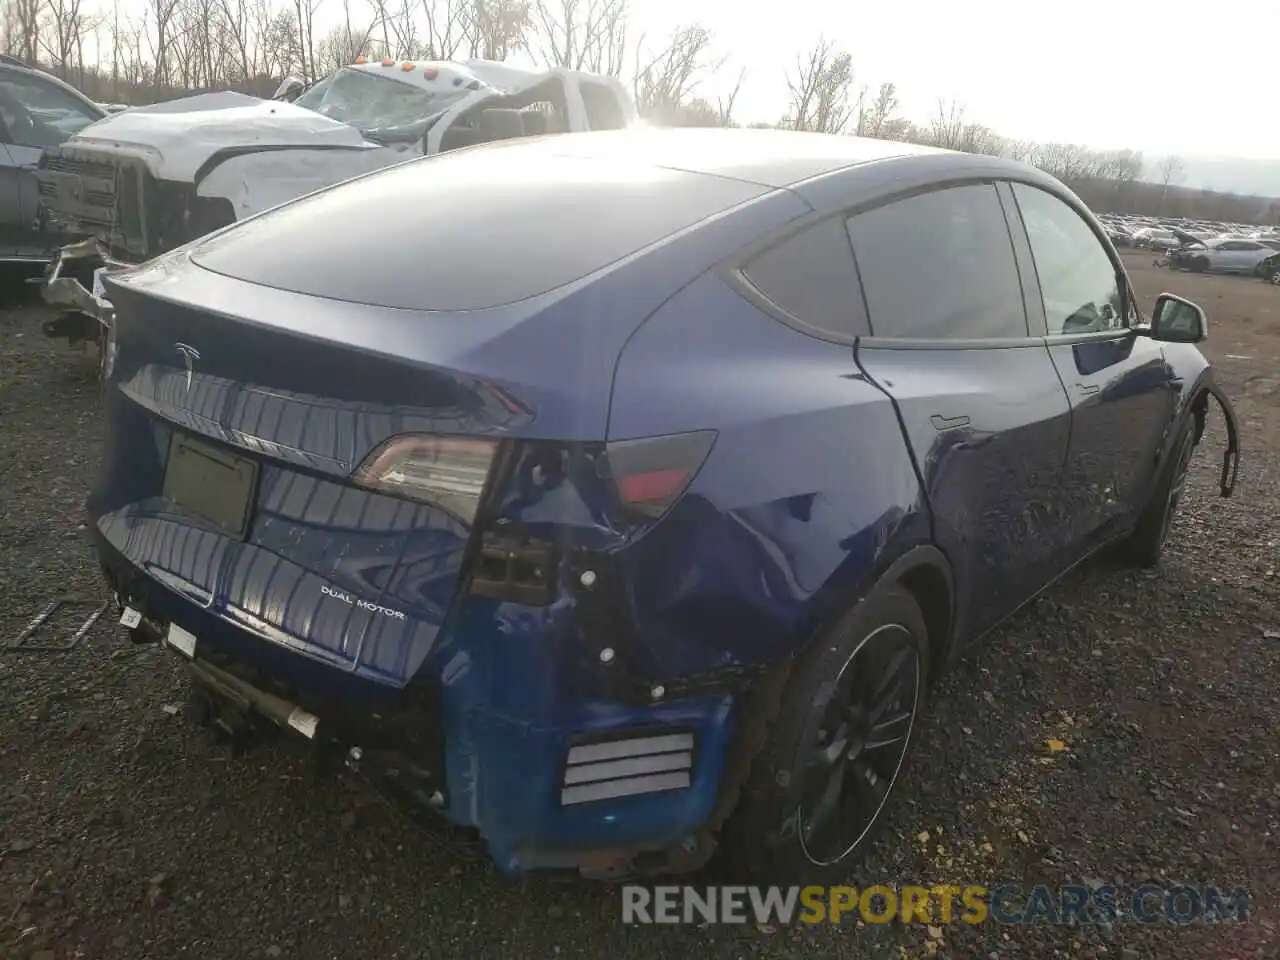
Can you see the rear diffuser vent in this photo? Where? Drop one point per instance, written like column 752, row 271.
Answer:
column 627, row 766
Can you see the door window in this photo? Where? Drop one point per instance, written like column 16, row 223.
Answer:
column 810, row 277
column 940, row 265
column 1078, row 280
column 39, row 114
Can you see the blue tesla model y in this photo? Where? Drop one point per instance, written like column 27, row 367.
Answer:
column 618, row 496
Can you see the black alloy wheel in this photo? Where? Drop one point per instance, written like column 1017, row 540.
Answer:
column 860, row 745
column 837, row 749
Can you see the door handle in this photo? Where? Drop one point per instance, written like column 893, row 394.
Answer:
column 1088, row 389
column 948, row 423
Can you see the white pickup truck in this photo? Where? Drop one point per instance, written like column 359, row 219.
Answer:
column 141, row 182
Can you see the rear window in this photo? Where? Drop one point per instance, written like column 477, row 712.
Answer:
column 467, row 231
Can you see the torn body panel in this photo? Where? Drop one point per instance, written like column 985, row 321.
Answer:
column 1190, row 367
column 254, row 182
column 1231, row 455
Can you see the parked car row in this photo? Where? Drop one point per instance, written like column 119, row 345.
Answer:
column 1159, row 233
column 1200, row 246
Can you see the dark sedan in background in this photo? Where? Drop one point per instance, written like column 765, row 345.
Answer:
column 619, row 496
column 37, row 110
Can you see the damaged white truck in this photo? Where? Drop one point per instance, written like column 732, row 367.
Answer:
column 140, row 183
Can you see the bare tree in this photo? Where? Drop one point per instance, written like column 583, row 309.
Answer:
column 239, row 25
column 62, row 43
column 665, row 81
column 583, row 34
column 947, row 125
column 498, row 28
column 305, row 18
column 448, row 25
column 725, row 104
column 163, row 12
column 1171, row 171
column 22, row 28
column 878, row 119
column 280, row 50
column 977, row 138
column 1024, row 151
column 400, row 29
column 820, row 90
column 343, row 43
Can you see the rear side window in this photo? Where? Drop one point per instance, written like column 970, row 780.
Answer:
column 940, row 265
column 810, row 276
column 468, row 230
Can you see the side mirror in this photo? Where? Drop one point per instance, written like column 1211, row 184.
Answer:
column 289, row 90
column 1176, row 320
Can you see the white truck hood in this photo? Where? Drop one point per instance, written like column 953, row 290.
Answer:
column 178, row 136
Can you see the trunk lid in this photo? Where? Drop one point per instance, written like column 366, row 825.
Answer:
column 276, row 421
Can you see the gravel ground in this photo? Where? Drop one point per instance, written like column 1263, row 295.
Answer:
column 125, row 833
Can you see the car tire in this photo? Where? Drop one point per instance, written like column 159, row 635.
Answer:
column 772, row 836
column 1199, row 265
column 1145, row 545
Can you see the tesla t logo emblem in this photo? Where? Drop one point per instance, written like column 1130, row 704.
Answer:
column 189, row 356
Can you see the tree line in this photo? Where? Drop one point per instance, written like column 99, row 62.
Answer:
column 168, row 48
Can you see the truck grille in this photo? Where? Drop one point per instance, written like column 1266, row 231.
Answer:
column 100, row 197
column 86, row 168
column 627, row 765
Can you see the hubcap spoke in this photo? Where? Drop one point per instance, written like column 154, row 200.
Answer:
column 868, row 787
column 830, row 751
column 823, row 817
column 892, row 728
column 891, row 676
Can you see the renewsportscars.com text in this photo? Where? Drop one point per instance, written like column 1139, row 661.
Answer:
column 937, row 904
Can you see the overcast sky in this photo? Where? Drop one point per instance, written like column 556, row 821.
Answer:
column 1096, row 72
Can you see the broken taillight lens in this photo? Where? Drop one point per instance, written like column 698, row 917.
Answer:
column 447, row 472
column 651, row 474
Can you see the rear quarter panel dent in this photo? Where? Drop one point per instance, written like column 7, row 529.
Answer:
column 808, row 494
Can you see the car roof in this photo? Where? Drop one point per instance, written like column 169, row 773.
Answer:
column 767, row 157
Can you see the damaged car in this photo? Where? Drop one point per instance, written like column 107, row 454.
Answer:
column 1220, row 255
column 640, row 528
column 152, row 178
column 1269, row 269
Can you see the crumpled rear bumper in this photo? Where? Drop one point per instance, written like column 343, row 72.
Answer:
column 605, row 792
column 63, row 290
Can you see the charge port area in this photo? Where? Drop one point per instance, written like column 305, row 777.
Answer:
column 515, row 568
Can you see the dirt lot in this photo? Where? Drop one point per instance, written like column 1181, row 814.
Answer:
column 124, row 833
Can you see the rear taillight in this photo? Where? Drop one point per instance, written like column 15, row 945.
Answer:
column 447, row 472
column 651, row 474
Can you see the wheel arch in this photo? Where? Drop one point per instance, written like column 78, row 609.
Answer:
column 925, row 574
